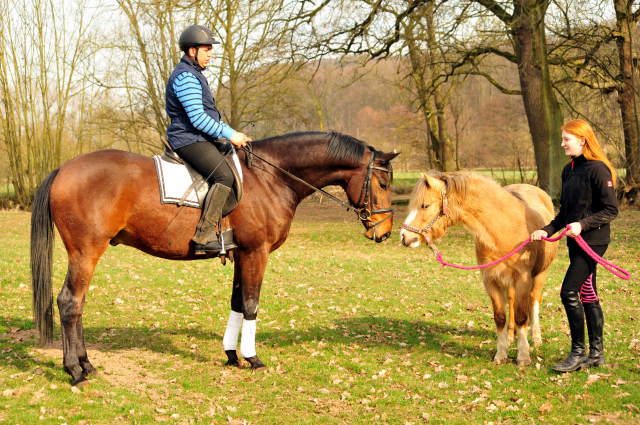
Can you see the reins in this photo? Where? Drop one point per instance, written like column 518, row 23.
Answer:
column 617, row 271
column 363, row 213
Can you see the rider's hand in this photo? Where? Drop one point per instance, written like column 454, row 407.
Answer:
column 574, row 229
column 538, row 234
column 240, row 139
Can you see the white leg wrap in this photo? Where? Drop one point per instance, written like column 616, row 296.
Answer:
column 230, row 340
column 248, row 342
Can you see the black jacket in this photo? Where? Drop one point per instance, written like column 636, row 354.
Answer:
column 588, row 196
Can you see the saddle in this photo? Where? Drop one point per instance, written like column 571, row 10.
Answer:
column 182, row 185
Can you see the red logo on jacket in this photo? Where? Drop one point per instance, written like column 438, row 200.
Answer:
column 609, row 183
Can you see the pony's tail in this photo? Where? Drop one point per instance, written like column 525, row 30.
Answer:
column 42, row 260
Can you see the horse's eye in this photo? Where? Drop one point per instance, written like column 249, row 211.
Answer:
column 424, row 207
column 383, row 186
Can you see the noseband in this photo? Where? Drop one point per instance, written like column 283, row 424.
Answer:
column 365, row 213
column 444, row 211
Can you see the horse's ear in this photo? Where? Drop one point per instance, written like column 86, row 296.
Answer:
column 386, row 157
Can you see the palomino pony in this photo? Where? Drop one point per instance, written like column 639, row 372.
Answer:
column 112, row 197
column 499, row 219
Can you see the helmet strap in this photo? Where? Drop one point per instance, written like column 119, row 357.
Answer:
column 195, row 59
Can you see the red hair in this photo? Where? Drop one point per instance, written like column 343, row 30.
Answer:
column 592, row 149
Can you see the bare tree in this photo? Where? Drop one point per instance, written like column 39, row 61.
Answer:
column 42, row 48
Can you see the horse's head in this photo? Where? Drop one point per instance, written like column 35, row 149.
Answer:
column 428, row 212
column 370, row 190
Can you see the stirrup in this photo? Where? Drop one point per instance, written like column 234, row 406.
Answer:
column 219, row 247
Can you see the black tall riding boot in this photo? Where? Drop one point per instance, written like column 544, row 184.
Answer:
column 575, row 314
column 595, row 325
column 205, row 237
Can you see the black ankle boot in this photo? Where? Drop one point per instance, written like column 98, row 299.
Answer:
column 216, row 247
column 595, row 325
column 575, row 314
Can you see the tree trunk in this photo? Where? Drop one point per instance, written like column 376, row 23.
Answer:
column 428, row 92
column 626, row 91
column 541, row 106
column 446, row 144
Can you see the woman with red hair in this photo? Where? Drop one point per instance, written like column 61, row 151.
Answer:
column 587, row 205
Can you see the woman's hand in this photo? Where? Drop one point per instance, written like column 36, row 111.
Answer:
column 574, row 229
column 538, row 234
column 240, row 139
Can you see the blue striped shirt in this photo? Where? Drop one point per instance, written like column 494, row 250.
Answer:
column 189, row 92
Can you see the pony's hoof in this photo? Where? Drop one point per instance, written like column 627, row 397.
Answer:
column 524, row 362
column 536, row 341
column 256, row 364
column 232, row 358
column 500, row 360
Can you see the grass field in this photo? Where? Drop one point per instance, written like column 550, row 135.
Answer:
column 352, row 332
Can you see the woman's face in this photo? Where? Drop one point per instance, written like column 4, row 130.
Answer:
column 204, row 54
column 572, row 144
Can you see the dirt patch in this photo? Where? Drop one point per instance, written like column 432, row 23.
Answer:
column 19, row 335
column 121, row 368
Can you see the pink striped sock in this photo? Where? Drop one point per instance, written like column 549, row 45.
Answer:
column 587, row 293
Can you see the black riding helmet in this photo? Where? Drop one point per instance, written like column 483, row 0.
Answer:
column 196, row 36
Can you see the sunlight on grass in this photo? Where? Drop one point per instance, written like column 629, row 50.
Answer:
column 351, row 331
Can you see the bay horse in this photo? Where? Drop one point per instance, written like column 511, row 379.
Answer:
column 112, row 197
column 499, row 219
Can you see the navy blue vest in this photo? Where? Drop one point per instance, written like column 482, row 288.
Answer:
column 181, row 132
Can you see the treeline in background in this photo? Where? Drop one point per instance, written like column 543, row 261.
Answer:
column 475, row 84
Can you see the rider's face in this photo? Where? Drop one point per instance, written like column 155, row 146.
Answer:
column 204, row 54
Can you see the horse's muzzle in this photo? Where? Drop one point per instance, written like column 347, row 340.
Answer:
column 410, row 240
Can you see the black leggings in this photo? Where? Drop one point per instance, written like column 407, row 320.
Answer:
column 207, row 160
column 581, row 275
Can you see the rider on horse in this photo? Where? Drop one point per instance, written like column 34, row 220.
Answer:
column 196, row 130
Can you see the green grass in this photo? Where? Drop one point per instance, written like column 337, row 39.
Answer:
column 336, row 311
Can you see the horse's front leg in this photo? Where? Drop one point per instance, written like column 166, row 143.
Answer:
column 499, row 302
column 249, row 271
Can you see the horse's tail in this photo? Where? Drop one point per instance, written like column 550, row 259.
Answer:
column 42, row 260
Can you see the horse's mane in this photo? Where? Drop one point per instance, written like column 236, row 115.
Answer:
column 342, row 147
column 456, row 182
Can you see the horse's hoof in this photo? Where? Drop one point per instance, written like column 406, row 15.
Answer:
column 500, row 360
column 256, row 364
column 81, row 383
column 90, row 372
column 536, row 341
column 232, row 358
column 524, row 362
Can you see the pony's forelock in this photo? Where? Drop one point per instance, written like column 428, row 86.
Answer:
column 417, row 195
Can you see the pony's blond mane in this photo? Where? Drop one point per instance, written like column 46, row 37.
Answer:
column 457, row 183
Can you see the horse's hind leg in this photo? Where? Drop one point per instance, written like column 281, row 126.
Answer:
column 522, row 311
column 536, row 299
column 70, row 305
column 85, row 365
column 511, row 335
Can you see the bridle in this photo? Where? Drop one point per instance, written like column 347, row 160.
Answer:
column 444, row 212
column 364, row 213
column 366, row 193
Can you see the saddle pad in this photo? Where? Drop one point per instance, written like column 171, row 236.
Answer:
column 175, row 179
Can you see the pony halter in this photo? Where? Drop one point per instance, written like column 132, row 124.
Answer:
column 444, row 211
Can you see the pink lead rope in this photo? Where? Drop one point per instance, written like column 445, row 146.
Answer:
column 618, row 271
